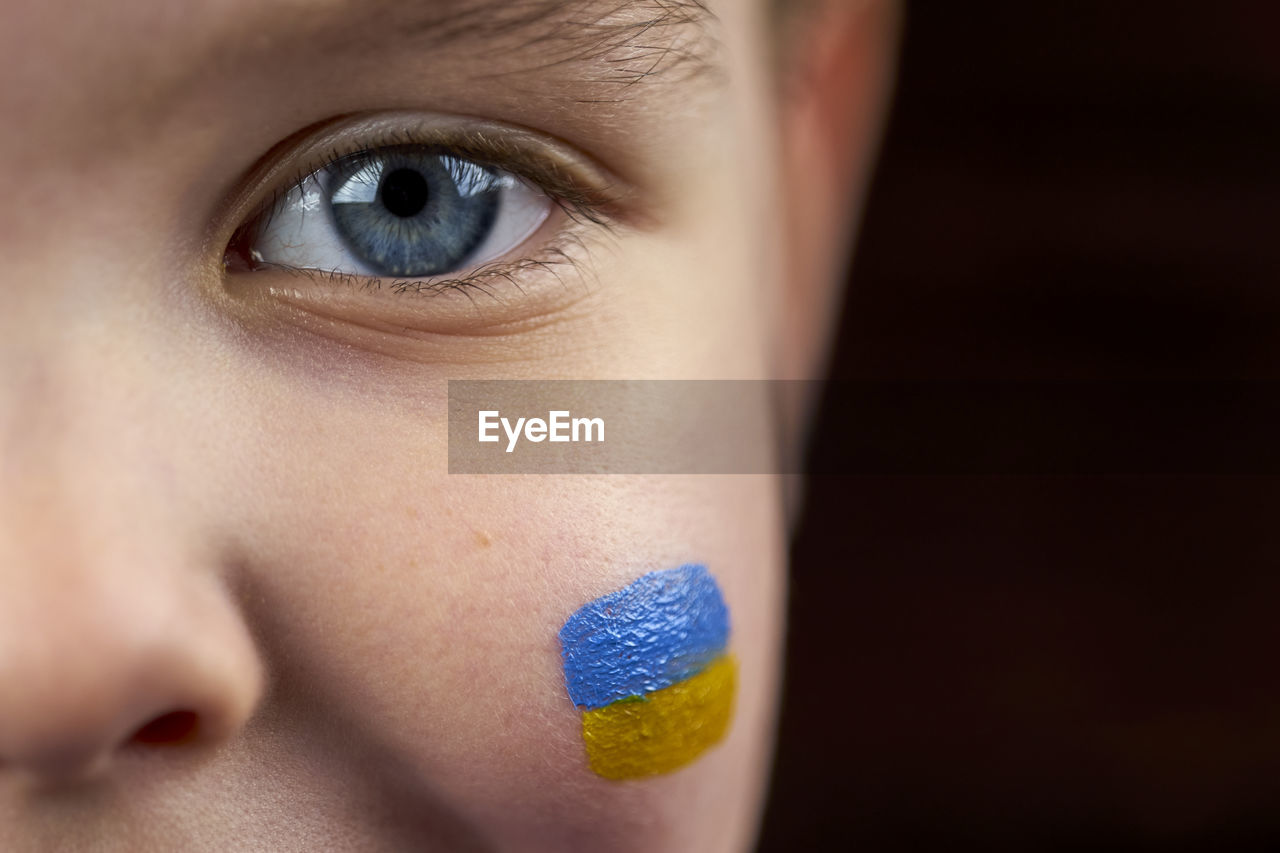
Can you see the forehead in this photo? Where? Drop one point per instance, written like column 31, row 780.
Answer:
column 170, row 42
column 136, row 65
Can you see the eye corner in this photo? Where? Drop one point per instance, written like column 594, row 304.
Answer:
column 238, row 255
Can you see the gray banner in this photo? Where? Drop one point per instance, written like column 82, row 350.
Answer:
column 611, row 427
column 868, row 428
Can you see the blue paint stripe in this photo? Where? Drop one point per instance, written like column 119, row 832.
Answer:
column 663, row 628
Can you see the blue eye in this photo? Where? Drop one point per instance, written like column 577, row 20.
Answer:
column 403, row 211
column 409, row 213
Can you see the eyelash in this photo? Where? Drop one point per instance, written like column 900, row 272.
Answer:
column 581, row 204
column 566, row 250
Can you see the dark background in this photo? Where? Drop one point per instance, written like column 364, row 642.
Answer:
column 1085, row 191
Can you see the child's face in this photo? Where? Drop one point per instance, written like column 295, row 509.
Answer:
column 243, row 605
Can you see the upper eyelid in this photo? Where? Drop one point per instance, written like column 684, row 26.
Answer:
column 570, row 177
column 595, row 204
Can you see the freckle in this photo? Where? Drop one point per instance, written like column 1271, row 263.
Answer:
column 482, row 539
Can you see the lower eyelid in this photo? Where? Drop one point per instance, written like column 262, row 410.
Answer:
column 506, row 297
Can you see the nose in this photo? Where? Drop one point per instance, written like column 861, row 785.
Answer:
column 91, row 674
column 120, row 640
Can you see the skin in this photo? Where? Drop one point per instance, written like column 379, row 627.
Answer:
column 225, row 493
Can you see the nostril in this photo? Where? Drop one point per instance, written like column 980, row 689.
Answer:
column 175, row 727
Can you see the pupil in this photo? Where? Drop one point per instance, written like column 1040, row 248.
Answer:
column 404, row 192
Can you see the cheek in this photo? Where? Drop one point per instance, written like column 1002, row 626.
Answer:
column 416, row 613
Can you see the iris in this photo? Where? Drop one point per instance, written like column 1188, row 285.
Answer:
column 405, row 211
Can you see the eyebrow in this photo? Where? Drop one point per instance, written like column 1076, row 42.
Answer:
column 616, row 42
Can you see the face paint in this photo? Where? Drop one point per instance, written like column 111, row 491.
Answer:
column 647, row 665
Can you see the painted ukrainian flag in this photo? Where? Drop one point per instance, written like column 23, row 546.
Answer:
column 648, row 667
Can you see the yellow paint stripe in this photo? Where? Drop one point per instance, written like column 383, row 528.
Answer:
column 663, row 730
